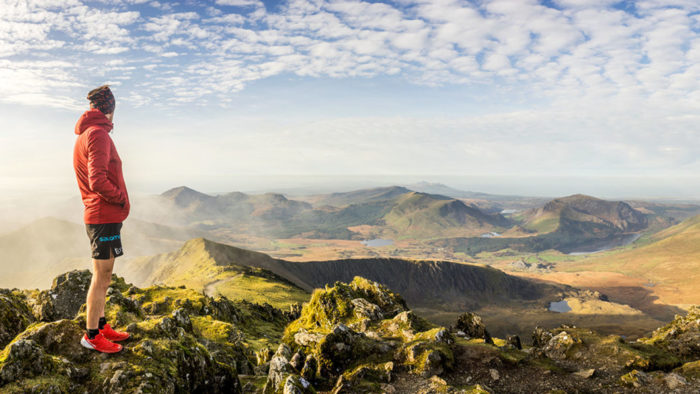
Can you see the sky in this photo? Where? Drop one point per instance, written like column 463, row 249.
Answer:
column 530, row 97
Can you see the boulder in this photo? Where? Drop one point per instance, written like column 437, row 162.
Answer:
column 15, row 316
column 559, row 345
column 541, row 337
column 471, row 324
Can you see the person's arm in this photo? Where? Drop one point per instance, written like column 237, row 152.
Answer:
column 98, row 162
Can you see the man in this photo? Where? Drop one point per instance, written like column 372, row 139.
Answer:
column 98, row 169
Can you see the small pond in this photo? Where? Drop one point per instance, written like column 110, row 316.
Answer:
column 373, row 243
column 559, row 306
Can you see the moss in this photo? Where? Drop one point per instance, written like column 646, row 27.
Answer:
column 690, row 370
column 512, row 356
column 215, row 330
column 633, row 378
column 15, row 315
column 332, row 305
column 41, row 384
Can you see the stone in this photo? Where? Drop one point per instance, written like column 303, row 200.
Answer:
column 471, row 324
column 514, row 341
column 295, row 384
column 585, row 373
column 297, row 360
column 559, row 345
column 15, row 316
column 635, row 379
column 24, row 359
column 304, row 338
column 365, row 309
column 310, row 368
column 675, row 381
column 540, row 337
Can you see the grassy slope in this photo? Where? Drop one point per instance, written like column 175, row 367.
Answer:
column 672, row 261
column 204, row 265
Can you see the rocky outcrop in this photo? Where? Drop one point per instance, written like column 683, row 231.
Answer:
column 681, row 336
column 65, row 297
column 15, row 315
column 357, row 337
column 180, row 340
column 358, row 333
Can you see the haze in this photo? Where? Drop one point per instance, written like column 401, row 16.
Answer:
column 528, row 97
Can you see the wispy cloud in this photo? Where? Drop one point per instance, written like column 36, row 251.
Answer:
column 576, row 48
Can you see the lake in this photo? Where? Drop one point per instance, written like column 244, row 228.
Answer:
column 373, row 243
column 559, row 306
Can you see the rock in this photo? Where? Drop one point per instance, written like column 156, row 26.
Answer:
column 494, row 374
column 635, row 379
column 310, row 368
column 342, row 347
column 365, row 309
column 387, row 388
column 675, row 381
column 514, row 341
column 15, row 316
column 359, row 378
column 295, row 384
column 65, row 297
column 294, row 311
column 559, row 345
column 182, row 319
column 585, row 373
column 541, row 337
column 24, row 359
column 279, row 370
column 472, row 326
column 681, row 336
column 264, row 355
column 305, row 338
column 297, row 360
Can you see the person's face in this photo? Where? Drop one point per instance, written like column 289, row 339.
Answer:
column 110, row 116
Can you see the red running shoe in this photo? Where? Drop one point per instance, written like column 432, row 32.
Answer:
column 112, row 335
column 101, row 344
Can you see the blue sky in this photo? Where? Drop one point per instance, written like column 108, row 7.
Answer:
column 599, row 96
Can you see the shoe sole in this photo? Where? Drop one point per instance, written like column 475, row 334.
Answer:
column 88, row 345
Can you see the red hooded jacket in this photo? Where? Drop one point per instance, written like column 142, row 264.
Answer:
column 99, row 170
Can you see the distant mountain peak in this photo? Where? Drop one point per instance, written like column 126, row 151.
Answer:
column 184, row 196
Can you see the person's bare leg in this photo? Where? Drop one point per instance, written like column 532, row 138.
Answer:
column 101, row 278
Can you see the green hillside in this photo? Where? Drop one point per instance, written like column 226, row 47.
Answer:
column 566, row 224
column 422, row 215
column 210, row 267
column 393, row 211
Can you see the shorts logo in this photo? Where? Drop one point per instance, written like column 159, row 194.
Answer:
column 117, row 250
column 112, row 238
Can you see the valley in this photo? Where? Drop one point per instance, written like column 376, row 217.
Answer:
column 447, row 251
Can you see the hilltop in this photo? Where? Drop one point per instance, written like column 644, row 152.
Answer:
column 569, row 224
column 391, row 211
column 200, row 262
column 207, row 266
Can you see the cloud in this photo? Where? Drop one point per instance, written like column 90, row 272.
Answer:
column 566, row 51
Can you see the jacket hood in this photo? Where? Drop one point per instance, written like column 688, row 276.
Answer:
column 92, row 117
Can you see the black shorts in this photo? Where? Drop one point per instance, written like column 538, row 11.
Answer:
column 103, row 238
